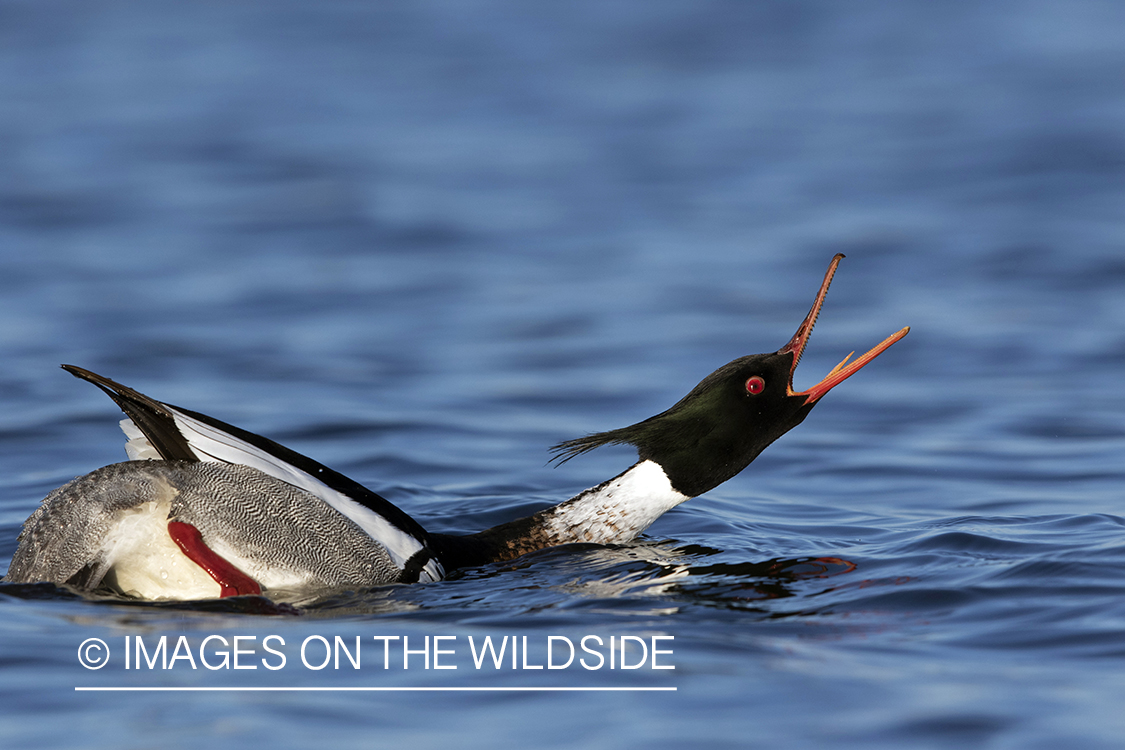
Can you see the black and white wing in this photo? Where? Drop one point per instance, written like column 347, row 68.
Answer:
column 156, row 430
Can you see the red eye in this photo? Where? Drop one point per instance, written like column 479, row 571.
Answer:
column 755, row 385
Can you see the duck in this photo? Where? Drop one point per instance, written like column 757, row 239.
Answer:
column 204, row 509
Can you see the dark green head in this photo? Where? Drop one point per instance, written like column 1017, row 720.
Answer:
column 734, row 413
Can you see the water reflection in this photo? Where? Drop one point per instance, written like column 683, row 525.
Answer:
column 550, row 578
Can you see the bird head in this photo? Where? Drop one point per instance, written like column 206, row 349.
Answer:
column 733, row 414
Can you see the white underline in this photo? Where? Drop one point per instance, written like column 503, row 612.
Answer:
column 375, row 689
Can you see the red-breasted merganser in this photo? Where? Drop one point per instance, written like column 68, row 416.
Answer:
column 204, row 509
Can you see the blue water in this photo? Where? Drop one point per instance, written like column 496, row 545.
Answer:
column 423, row 242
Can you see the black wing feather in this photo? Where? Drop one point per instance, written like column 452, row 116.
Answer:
column 150, row 416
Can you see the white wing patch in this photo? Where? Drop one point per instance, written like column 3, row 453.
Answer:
column 137, row 448
column 212, row 444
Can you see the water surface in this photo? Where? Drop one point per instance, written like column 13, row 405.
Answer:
column 424, row 243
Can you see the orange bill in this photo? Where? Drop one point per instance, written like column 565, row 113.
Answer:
column 842, row 371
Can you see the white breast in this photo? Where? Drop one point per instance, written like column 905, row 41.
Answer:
column 616, row 511
column 141, row 559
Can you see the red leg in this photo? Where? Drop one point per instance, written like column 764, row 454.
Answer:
column 231, row 580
